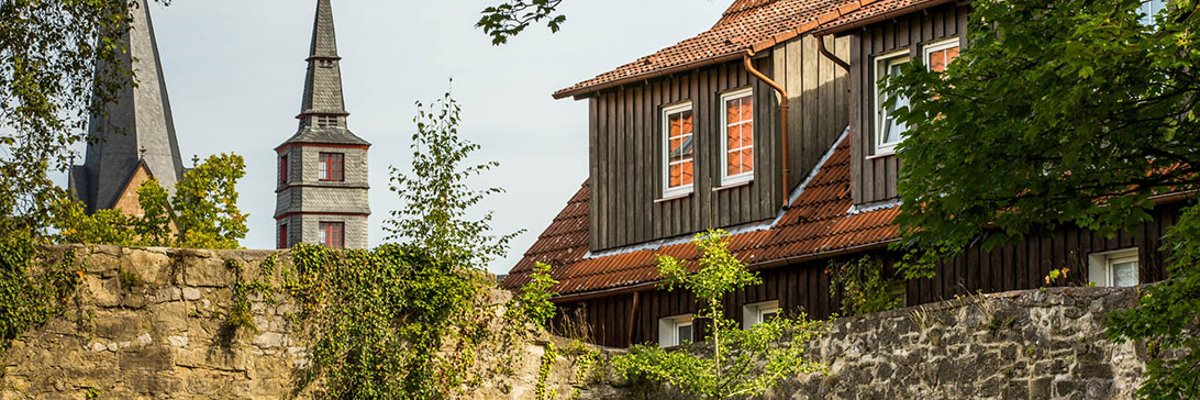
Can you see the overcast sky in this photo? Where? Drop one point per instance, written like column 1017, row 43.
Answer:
column 235, row 71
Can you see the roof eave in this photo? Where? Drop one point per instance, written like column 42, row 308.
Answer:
column 846, row 27
column 582, row 92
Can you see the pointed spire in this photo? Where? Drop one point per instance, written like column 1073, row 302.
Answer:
column 323, row 108
column 323, row 86
column 136, row 126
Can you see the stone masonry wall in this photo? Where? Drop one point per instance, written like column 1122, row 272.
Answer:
column 163, row 336
column 1038, row 344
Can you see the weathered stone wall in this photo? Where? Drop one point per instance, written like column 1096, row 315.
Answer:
column 150, row 324
column 1039, row 344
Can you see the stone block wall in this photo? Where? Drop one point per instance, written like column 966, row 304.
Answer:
column 1038, row 344
column 150, row 324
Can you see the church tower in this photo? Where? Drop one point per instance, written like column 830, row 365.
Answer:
column 134, row 138
column 322, row 176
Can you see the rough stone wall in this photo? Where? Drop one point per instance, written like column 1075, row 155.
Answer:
column 161, row 334
column 1039, row 344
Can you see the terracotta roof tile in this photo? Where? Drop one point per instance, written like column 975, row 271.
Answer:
column 746, row 24
column 873, row 11
column 818, row 222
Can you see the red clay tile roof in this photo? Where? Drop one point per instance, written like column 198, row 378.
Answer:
column 746, row 25
column 874, row 12
column 818, row 224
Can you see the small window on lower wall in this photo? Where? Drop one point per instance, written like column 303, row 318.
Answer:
column 1114, row 268
column 757, row 313
column 333, row 234
column 674, row 331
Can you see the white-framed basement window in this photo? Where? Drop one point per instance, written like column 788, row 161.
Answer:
column 1114, row 268
column 679, row 162
column 888, row 131
column 757, row 313
column 737, row 144
column 940, row 54
column 674, row 331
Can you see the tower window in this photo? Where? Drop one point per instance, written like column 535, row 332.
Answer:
column 333, row 234
column 327, row 121
column 283, row 169
column 282, row 243
column 331, row 167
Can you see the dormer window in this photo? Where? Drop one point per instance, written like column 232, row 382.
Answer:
column 678, row 151
column 1149, row 9
column 738, row 143
column 888, row 131
column 330, row 167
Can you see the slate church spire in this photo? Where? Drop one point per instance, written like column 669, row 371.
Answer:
column 322, row 180
column 134, row 138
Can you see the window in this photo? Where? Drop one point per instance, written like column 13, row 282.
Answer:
column 333, row 234
column 889, row 132
column 282, row 242
column 757, row 313
column 1151, row 8
column 738, row 147
column 939, row 55
column 1114, row 268
column 330, row 167
column 283, row 169
column 675, row 331
column 678, row 151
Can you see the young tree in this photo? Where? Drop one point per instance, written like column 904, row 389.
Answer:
column 1062, row 113
column 735, row 362
column 206, row 204
column 156, row 225
column 437, row 198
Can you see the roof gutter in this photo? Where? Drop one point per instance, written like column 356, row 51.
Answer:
column 783, row 123
column 644, row 286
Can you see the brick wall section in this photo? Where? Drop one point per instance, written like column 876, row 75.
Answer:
column 162, row 338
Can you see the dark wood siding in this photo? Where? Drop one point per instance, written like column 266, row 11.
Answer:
column 874, row 177
column 626, row 144
column 805, row 287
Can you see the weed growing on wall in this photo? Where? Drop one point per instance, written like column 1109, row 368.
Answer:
column 732, row 362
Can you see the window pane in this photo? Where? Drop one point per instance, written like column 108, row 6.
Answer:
column 747, row 108
column 684, row 334
column 951, row 54
column 748, row 134
column 687, row 122
column 1125, row 274
column 675, row 180
column 687, row 173
column 733, row 166
column 685, row 152
column 675, row 126
column 734, row 139
column 937, row 61
column 732, row 113
column 747, row 161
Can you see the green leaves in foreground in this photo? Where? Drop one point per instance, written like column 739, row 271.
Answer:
column 732, row 362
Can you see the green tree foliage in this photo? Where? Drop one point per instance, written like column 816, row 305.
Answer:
column 534, row 297
column 437, row 198
column 204, row 213
column 48, row 86
column 864, row 286
column 506, row 20
column 733, row 363
column 1062, row 113
column 206, row 204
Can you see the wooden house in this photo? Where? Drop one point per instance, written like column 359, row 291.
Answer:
column 689, row 139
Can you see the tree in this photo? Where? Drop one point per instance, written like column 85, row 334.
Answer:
column 1063, row 113
column 437, row 197
column 509, row 19
column 206, row 202
column 734, row 363
column 202, row 214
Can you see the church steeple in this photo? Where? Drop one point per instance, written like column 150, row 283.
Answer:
column 323, row 183
column 323, row 108
column 136, row 129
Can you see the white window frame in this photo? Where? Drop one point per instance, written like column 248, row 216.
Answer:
column 939, row 46
column 682, row 191
column 726, row 179
column 1100, row 266
column 668, row 330
column 882, row 64
column 1148, row 11
column 752, row 314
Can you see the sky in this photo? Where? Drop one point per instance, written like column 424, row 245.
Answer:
column 235, row 73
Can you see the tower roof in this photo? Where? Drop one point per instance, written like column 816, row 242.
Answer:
column 136, row 127
column 323, row 108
